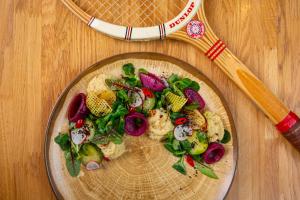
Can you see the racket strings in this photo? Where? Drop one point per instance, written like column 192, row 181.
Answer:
column 134, row 13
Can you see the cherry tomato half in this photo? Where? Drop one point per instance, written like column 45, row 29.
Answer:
column 190, row 160
column 180, row 121
column 79, row 123
column 148, row 93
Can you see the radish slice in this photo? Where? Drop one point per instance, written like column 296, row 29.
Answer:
column 136, row 124
column 92, row 165
column 152, row 82
column 214, row 153
column 77, row 108
column 182, row 131
column 194, row 97
column 78, row 136
column 137, row 97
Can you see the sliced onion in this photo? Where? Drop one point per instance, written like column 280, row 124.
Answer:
column 92, row 165
column 214, row 153
column 194, row 97
column 152, row 82
column 78, row 136
column 132, row 127
column 137, row 97
column 77, row 108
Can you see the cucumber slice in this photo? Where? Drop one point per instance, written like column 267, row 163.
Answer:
column 198, row 147
column 90, row 152
column 91, row 129
column 149, row 104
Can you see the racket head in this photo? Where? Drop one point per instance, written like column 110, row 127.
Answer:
column 135, row 19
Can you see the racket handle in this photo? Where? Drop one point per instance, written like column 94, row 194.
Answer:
column 290, row 128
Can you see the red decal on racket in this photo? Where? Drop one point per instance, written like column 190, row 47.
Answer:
column 184, row 16
column 195, row 29
column 287, row 123
column 216, row 50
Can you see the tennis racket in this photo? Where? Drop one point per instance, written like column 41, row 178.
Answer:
column 185, row 20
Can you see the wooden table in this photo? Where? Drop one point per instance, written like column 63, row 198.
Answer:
column 43, row 47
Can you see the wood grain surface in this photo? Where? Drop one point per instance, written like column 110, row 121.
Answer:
column 43, row 47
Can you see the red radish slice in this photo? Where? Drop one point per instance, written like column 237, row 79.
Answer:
column 92, row 165
column 182, row 131
column 78, row 136
column 135, row 124
column 77, row 108
column 194, row 97
column 137, row 96
column 214, row 153
column 152, row 82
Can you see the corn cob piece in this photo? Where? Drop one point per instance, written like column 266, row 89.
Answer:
column 176, row 101
column 96, row 105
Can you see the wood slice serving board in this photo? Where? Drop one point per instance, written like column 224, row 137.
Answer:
column 145, row 170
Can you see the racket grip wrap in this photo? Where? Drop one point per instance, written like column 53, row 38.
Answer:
column 290, row 128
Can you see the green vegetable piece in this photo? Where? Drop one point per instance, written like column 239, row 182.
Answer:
column 180, row 166
column 186, row 145
column 72, row 163
column 122, row 95
column 142, row 70
column 226, row 137
column 173, row 78
column 169, row 147
column 199, row 143
column 128, row 69
column 176, row 145
column 90, row 152
column 179, row 153
column 191, row 107
column 115, row 138
column 149, row 104
column 176, row 115
column 63, row 140
column 206, row 170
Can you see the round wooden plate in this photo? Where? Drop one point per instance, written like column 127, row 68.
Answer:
column 145, row 170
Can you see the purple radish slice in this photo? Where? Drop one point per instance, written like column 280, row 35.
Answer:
column 77, row 108
column 136, row 124
column 92, row 165
column 152, row 82
column 78, row 136
column 182, row 131
column 194, row 97
column 214, row 153
column 137, row 97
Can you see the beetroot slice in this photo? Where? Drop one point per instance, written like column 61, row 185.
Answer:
column 77, row 108
column 152, row 82
column 194, row 97
column 135, row 124
column 214, row 153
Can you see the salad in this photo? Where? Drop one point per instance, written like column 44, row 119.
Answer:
column 169, row 109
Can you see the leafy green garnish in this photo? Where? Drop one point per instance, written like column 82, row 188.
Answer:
column 180, row 166
column 176, row 115
column 202, row 137
column 206, row 170
column 178, row 84
column 186, row 145
column 72, row 163
column 122, row 95
column 226, row 137
column 63, row 140
column 128, row 69
column 176, row 145
column 142, row 70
